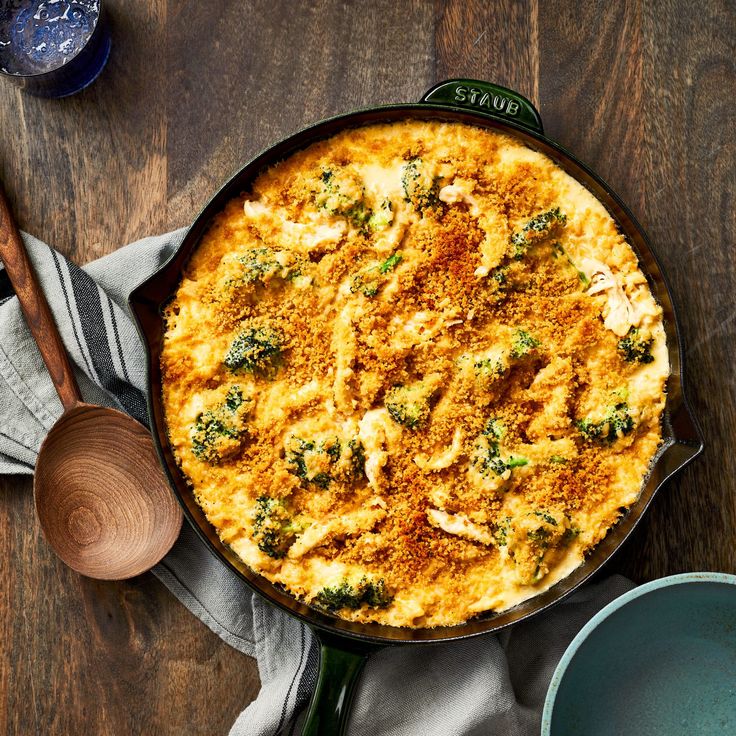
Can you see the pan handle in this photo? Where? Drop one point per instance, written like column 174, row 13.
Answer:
column 341, row 660
column 488, row 99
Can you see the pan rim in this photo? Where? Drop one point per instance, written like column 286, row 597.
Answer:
column 383, row 634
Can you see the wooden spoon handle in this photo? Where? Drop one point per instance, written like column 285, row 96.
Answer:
column 36, row 308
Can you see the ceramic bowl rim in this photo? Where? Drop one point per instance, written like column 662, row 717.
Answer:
column 605, row 613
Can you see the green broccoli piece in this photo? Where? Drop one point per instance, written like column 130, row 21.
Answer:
column 274, row 530
column 500, row 276
column 382, row 217
column 256, row 350
column 501, row 534
column 543, row 222
column 558, row 460
column 365, row 592
column 496, row 362
column 258, row 263
column 540, row 536
column 420, row 190
column 616, row 423
column 409, row 405
column 636, row 349
column 217, row 432
column 523, row 344
column 234, row 398
column 359, row 215
column 209, row 434
column 390, row 263
column 546, row 516
column 298, row 454
column 490, row 369
column 539, row 226
column 494, row 430
column 368, row 281
column 488, row 458
column 343, row 195
column 329, row 460
column 353, row 460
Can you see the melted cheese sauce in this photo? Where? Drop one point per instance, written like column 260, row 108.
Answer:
column 415, row 374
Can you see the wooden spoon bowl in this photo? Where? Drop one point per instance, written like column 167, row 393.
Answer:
column 101, row 499
column 103, row 503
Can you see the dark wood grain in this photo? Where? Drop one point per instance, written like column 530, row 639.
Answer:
column 643, row 92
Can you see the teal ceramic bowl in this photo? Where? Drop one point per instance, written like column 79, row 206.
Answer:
column 658, row 661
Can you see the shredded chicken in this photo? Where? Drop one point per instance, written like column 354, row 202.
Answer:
column 459, row 525
column 619, row 314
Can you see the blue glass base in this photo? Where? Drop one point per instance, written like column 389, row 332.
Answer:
column 39, row 42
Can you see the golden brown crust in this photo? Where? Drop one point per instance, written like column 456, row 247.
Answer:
column 494, row 291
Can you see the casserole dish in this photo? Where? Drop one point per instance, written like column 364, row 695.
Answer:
column 345, row 644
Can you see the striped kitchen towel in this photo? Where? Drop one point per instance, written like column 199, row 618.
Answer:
column 488, row 685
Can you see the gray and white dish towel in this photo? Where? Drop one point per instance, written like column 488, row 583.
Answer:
column 487, row 685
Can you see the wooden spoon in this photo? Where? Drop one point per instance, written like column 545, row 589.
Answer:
column 102, row 500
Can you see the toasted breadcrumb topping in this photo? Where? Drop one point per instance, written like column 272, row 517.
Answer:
column 414, row 374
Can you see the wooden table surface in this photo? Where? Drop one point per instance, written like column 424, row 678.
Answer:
column 644, row 92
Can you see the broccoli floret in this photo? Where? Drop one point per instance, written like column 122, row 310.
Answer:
column 500, row 276
column 354, row 459
column 501, row 534
column 274, row 530
column 368, row 281
column 558, row 460
column 343, row 194
column 372, row 593
column 258, row 264
column 209, row 434
column 523, row 344
column 217, row 432
column 359, row 215
column 320, row 463
column 420, row 189
column 546, row 516
column 256, row 350
column 488, row 458
column 234, row 398
column 390, row 263
column 616, row 423
column 636, row 349
column 382, row 217
column 494, row 430
column 543, row 223
column 491, row 368
column 494, row 363
column 298, row 455
column 409, row 405
column 539, row 226
column 542, row 535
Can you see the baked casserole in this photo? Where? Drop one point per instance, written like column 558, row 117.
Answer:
column 414, row 374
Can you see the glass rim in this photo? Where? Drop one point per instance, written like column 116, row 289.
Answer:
column 53, row 69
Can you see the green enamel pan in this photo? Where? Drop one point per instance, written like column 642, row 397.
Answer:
column 345, row 645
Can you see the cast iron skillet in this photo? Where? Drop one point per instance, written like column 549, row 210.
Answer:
column 345, row 645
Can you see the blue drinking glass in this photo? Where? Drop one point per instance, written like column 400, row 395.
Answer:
column 53, row 48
